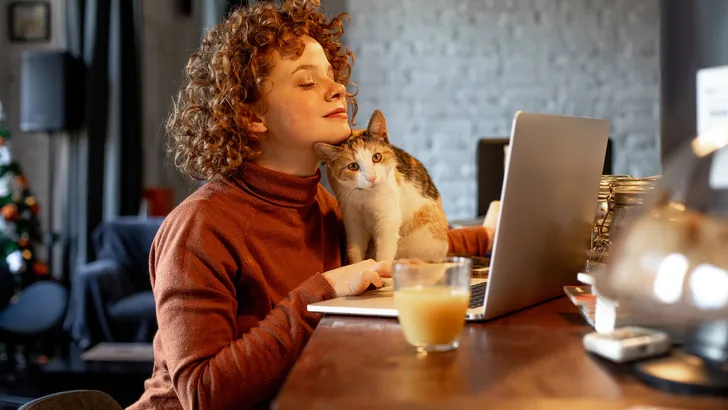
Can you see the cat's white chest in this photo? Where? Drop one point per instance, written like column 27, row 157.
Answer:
column 369, row 203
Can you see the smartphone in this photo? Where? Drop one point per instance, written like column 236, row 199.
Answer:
column 627, row 343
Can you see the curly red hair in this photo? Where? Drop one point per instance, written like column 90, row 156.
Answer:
column 207, row 130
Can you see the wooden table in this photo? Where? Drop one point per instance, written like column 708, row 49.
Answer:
column 529, row 359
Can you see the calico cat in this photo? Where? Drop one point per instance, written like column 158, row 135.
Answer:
column 387, row 198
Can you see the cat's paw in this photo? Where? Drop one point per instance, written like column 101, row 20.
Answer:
column 355, row 254
column 386, row 255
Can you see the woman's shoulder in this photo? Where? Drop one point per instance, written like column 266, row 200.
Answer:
column 214, row 205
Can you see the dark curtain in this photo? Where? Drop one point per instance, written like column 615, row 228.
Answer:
column 90, row 38
column 132, row 171
column 105, row 35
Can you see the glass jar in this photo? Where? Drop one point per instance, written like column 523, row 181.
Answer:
column 672, row 255
column 617, row 194
column 605, row 186
column 601, row 222
column 626, row 201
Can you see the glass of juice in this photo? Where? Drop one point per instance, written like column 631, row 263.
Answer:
column 432, row 299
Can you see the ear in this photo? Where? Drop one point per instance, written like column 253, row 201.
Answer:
column 256, row 125
column 377, row 127
column 326, row 152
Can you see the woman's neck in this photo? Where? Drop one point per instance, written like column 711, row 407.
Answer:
column 301, row 164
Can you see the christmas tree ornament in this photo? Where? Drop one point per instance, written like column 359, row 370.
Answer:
column 21, row 181
column 15, row 262
column 10, row 212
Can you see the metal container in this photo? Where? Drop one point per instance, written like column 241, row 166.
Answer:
column 617, row 195
column 627, row 200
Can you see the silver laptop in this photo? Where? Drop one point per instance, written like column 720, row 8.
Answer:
column 547, row 209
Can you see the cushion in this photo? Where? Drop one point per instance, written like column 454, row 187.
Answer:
column 135, row 307
column 38, row 308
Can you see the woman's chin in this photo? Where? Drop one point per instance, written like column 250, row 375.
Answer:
column 337, row 138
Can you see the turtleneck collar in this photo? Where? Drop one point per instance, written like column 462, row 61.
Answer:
column 279, row 188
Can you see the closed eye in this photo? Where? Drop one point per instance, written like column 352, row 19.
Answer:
column 307, row 85
column 353, row 166
column 376, row 158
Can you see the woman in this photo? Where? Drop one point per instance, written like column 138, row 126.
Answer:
column 234, row 266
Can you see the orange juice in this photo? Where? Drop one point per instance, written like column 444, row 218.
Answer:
column 431, row 315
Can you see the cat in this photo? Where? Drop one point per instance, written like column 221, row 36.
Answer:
column 386, row 196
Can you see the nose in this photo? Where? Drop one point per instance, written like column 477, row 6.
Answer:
column 336, row 92
column 372, row 178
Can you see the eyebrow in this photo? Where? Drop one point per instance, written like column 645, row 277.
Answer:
column 310, row 67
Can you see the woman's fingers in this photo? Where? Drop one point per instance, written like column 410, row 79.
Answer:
column 363, row 280
column 384, row 269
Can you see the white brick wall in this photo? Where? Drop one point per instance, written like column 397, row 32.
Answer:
column 446, row 73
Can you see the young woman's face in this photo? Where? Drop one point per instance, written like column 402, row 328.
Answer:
column 302, row 104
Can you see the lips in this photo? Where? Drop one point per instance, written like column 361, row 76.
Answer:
column 339, row 112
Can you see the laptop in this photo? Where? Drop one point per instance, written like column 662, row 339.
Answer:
column 542, row 236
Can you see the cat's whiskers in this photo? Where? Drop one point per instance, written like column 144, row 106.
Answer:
column 346, row 193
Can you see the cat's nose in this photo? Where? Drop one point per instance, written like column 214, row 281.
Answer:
column 372, row 178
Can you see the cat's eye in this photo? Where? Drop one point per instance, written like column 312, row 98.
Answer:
column 353, row 166
column 376, row 157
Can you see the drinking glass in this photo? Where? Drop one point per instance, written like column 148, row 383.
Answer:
column 432, row 299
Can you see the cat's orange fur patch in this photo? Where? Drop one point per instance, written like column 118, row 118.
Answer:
column 430, row 216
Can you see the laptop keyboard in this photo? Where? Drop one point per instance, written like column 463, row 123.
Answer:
column 477, row 295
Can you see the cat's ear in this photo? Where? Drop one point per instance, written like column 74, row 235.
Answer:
column 377, row 127
column 326, row 152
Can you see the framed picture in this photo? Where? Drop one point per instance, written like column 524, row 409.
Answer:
column 29, row 21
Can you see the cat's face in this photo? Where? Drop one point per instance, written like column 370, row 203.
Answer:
column 363, row 161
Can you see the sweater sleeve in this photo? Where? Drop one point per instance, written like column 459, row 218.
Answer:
column 469, row 241
column 194, row 282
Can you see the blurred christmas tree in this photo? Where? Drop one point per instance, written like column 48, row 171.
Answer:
column 19, row 227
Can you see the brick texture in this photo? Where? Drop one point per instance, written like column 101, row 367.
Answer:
column 446, row 73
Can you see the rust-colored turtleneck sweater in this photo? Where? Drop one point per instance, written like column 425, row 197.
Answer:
column 233, row 268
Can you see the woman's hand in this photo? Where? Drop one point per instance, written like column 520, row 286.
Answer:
column 491, row 221
column 355, row 279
